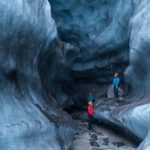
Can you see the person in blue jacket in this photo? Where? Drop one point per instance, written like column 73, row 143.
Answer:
column 116, row 82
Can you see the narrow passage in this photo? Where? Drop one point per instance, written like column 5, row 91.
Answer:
column 100, row 138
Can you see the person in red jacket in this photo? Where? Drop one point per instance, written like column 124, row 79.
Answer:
column 90, row 113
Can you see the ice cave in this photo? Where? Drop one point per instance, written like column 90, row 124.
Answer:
column 53, row 54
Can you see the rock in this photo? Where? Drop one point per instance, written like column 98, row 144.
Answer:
column 30, row 117
column 77, row 133
column 120, row 99
column 118, row 144
column 106, row 141
column 98, row 149
column 94, row 137
column 92, row 140
column 94, row 144
column 110, row 93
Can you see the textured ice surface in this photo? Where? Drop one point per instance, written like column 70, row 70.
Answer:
column 28, row 118
column 35, row 65
column 100, row 29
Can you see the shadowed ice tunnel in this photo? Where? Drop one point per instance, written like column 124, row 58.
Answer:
column 53, row 53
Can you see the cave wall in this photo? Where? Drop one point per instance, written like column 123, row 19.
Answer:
column 110, row 33
column 39, row 65
column 138, row 71
column 138, row 74
column 101, row 32
column 104, row 34
column 57, row 63
column 99, row 28
column 29, row 118
column 135, row 115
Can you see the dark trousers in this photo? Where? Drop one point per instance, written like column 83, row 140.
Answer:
column 90, row 122
column 115, row 92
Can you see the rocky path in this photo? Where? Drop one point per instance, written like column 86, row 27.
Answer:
column 99, row 138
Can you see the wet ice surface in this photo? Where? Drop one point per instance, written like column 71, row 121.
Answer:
column 100, row 138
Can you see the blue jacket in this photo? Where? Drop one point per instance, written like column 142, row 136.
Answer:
column 116, row 81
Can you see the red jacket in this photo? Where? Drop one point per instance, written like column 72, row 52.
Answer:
column 90, row 110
